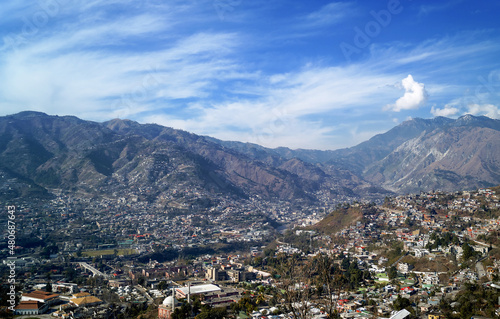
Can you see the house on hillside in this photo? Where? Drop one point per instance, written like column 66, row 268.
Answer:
column 45, row 297
column 86, row 301
column 31, row 307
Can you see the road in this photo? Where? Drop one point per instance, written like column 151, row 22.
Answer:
column 480, row 270
column 399, row 259
column 93, row 270
column 145, row 293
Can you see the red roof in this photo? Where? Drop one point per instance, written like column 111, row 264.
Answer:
column 29, row 305
column 40, row 294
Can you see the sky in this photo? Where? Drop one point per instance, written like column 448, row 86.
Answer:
column 301, row 74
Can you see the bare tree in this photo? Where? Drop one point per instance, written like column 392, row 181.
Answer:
column 296, row 285
column 329, row 282
column 310, row 282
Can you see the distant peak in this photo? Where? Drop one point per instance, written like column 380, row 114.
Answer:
column 471, row 119
column 439, row 120
column 120, row 125
column 25, row 114
column 467, row 117
column 118, row 120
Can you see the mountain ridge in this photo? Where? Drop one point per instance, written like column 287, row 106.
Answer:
column 122, row 155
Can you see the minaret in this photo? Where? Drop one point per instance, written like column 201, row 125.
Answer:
column 189, row 292
column 173, row 300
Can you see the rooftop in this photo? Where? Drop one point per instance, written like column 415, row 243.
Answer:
column 29, row 305
column 81, row 294
column 85, row 300
column 39, row 294
column 200, row 289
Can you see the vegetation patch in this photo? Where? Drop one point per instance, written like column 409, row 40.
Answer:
column 339, row 219
column 118, row 252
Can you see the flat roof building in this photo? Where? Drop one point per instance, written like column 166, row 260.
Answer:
column 196, row 290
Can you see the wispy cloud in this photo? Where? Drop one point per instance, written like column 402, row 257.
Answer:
column 330, row 14
column 254, row 75
column 88, row 81
column 291, row 109
column 426, row 9
column 462, row 50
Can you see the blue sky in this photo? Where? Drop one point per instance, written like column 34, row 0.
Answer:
column 301, row 74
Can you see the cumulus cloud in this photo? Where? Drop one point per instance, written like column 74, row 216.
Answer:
column 415, row 95
column 488, row 110
column 446, row 111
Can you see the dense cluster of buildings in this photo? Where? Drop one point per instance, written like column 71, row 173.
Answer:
column 39, row 302
column 426, row 273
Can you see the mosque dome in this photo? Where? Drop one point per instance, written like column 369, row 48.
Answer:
column 168, row 301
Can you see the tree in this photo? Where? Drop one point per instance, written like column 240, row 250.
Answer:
column 296, row 280
column 468, row 252
column 401, row 303
column 70, row 274
column 392, row 273
column 182, row 312
column 212, row 313
column 196, row 305
column 49, row 250
column 162, row 285
column 141, row 280
column 408, row 222
column 346, row 262
column 245, row 304
column 331, row 281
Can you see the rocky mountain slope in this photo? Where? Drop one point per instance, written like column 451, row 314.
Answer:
column 461, row 155
column 417, row 155
column 39, row 152
column 120, row 156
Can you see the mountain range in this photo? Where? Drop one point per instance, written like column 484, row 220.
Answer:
column 40, row 153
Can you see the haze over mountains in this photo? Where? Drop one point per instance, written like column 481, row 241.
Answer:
column 39, row 152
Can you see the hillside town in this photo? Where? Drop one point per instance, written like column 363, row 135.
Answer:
column 428, row 255
column 232, row 159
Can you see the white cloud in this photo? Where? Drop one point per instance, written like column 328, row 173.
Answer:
column 488, row 110
column 446, row 111
column 466, row 49
column 289, row 109
column 415, row 95
column 176, row 63
column 97, row 83
column 428, row 9
column 329, row 14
